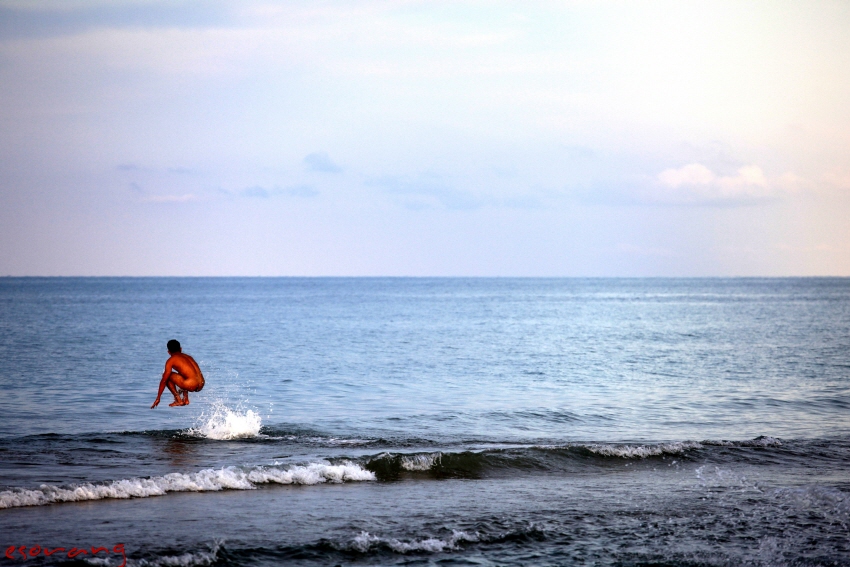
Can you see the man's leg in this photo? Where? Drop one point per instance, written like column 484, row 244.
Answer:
column 184, row 386
column 172, row 387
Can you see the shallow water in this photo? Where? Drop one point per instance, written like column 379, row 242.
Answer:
column 424, row 421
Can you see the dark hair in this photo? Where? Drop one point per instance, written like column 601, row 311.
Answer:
column 173, row 346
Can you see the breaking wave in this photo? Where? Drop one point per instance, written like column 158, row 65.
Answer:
column 643, row 451
column 762, row 441
column 364, row 542
column 541, row 458
column 473, row 463
column 420, row 462
column 208, row 480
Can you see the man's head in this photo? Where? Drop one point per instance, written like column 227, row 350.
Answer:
column 173, row 346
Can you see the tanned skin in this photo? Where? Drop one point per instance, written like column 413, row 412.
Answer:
column 183, row 373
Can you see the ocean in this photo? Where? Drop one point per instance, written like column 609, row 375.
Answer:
column 417, row 421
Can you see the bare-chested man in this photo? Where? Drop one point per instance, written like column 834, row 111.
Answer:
column 181, row 371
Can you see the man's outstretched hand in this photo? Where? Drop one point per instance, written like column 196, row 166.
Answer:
column 155, row 403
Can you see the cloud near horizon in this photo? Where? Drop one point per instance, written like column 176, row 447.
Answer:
column 697, row 184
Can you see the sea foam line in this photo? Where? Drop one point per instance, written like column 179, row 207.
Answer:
column 207, row 480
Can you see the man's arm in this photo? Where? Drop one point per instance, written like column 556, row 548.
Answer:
column 165, row 375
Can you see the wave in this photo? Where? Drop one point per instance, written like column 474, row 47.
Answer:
column 204, row 557
column 643, row 451
column 384, row 466
column 208, row 480
column 626, row 451
column 339, row 551
column 762, row 441
column 469, row 462
column 488, row 534
column 541, row 458
column 365, row 542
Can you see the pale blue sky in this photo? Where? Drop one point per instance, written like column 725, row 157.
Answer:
column 425, row 138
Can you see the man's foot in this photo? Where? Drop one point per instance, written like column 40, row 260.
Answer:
column 185, row 398
column 175, row 403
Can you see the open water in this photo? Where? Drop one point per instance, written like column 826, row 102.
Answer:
column 427, row 422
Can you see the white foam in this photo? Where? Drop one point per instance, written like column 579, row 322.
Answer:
column 643, row 451
column 433, row 545
column 420, row 462
column 208, row 480
column 184, row 560
column 314, row 473
column 430, row 545
column 365, row 541
column 224, row 423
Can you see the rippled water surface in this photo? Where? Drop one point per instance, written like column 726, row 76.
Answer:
column 426, row 421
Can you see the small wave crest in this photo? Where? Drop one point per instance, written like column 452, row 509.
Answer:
column 761, row 441
column 208, row 480
column 643, row 451
column 205, row 557
column 626, row 451
column 420, row 462
column 464, row 464
column 223, row 423
column 364, row 542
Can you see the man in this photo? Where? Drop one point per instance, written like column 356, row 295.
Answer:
column 181, row 371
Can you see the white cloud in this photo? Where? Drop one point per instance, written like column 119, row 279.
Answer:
column 697, row 183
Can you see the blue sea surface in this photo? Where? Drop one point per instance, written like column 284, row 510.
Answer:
column 422, row 421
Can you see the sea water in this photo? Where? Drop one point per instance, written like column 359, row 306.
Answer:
column 427, row 421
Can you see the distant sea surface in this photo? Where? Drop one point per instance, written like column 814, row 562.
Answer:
column 427, row 422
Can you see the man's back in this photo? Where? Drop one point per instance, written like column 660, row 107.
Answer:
column 186, row 366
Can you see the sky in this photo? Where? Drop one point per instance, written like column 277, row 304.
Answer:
column 407, row 138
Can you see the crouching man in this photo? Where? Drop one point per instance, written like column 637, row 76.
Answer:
column 182, row 374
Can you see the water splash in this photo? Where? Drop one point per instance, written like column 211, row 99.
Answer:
column 224, row 423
